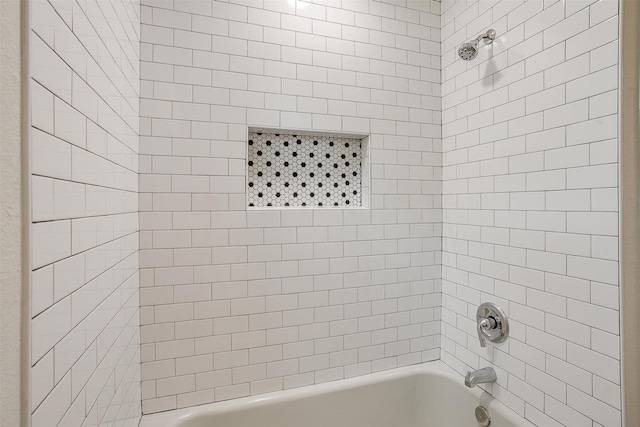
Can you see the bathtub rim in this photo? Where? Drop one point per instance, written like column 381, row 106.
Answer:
column 172, row 418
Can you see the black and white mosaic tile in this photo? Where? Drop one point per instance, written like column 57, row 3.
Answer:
column 304, row 170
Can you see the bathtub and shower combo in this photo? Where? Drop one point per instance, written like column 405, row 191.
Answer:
column 182, row 292
column 425, row 395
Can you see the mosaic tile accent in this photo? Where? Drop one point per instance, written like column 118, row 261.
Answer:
column 304, row 170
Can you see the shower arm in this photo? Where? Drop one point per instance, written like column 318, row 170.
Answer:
column 489, row 35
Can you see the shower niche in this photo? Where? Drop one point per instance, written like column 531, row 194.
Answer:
column 302, row 169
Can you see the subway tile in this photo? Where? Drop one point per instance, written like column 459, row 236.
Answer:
column 591, row 361
column 567, row 329
column 559, row 411
column 54, row 407
column 592, row 84
column 588, row 314
column 99, row 114
column 600, row 223
column 595, row 36
column 539, row 174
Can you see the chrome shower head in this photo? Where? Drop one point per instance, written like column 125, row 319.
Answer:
column 468, row 51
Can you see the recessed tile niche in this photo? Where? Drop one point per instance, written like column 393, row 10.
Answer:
column 302, row 169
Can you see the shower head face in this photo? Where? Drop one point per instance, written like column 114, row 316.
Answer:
column 468, row 51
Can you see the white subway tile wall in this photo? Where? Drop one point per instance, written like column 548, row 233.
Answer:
column 84, row 62
column 530, row 181
column 237, row 302
column 490, row 180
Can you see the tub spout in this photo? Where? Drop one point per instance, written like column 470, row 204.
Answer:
column 484, row 375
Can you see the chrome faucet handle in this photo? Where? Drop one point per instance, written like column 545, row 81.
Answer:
column 484, row 325
column 492, row 324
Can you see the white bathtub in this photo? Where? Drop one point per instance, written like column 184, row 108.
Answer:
column 426, row 395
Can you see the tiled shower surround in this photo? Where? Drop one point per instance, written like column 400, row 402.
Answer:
column 530, row 181
column 84, row 61
column 238, row 302
column 490, row 180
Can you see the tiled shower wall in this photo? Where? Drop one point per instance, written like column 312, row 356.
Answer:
column 530, row 183
column 84, row 61
column 238, row 302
